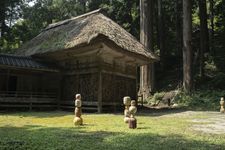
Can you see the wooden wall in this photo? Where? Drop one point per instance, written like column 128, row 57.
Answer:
column 85, row 84
column 29, row 81
column 115, row 87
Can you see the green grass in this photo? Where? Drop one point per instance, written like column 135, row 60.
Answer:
column 55, row 130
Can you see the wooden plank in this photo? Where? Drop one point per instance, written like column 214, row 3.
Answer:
column 119, row 74
column 100, row 93
column 111, row 104
column 24, row 100
column 27, row 106
column 44, row 106
column 87, row 103
column 83, row 108
column 14, row 106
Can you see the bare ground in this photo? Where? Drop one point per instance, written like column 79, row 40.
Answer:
column 211, row 122
column 205, row 121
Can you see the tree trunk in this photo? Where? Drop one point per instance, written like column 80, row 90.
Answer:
column 161, row 34
column 83, row 5
column 204, row 35
column 212, row 50
column 2, row 17
column 146, row 38
column 179, row 33
column 187, row 47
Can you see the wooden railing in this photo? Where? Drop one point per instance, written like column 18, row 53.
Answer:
column 90, row 105
column 28, row 99
column 24, row 94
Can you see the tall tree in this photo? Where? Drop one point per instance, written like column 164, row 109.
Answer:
column 187, row 46
column 204, row 35
column 161, row 34
column 179, row 35
column 212, row 26
column 2, row 16
column 146, row 38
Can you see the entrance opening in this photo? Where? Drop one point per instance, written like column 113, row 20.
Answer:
column 12, row 83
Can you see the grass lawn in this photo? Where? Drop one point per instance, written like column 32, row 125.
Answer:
column 55, row 130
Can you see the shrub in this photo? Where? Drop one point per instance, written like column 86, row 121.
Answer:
column 155, row 98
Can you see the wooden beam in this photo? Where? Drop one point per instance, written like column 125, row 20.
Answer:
column 119, row 57
column 131, row 61
column 119, row 74
column 86, row 53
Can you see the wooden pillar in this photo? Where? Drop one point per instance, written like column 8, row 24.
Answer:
column 59, row 96
column 137, row 87
column 100, row 92
column 7, row 81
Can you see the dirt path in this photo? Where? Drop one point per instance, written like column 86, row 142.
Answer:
column 211, row 122
column 204, row 121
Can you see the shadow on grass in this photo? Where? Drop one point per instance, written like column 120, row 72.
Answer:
column 145, row 111
column 142, row 111
column 39, row 138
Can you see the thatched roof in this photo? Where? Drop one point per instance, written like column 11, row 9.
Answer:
column 81, row 30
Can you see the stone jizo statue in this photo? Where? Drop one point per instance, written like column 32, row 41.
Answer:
column 222, row 105
column 126, row 102
column 77, row 119
column 132, row 111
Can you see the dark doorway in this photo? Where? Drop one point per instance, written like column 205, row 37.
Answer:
column 12, row 83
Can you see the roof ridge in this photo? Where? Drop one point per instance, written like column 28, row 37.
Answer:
column 59, row 23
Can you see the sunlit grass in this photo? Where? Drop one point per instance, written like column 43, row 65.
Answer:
column 55, row 130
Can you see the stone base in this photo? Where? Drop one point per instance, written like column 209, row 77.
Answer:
column 78, row 121
column 222, row 110
column 126, row 119
column 132, row 123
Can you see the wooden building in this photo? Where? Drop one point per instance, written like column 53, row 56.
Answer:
column 89, row 54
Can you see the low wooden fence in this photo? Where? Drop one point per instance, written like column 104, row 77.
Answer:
column 92, row 106
column 29, row 100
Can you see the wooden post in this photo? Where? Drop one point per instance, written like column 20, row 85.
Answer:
column 100, row 92
column 30, row 103
column 136, row 80
column 59, row 96
column 7, row 81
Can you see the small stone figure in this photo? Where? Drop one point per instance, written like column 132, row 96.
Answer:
column 132, row 111
column 77, row 119
column 126, row 102
column 222, row 105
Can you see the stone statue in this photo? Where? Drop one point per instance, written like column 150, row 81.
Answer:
column 77, row 119
column 132, row 111
column 222, row 105
column 126, row 102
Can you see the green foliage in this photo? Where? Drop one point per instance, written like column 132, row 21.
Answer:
column 200, row 100
column 218, row 81
column 155, row 98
